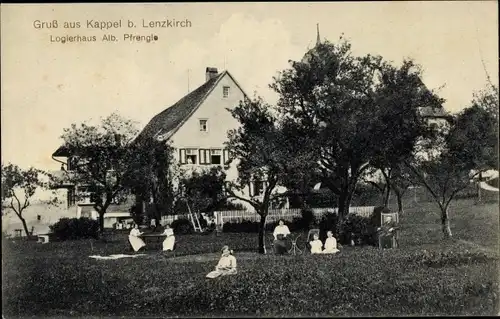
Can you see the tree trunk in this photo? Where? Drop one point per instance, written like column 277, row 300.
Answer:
column 262, row 228
column 25, row 226
column 387, row 195
column 399, row 198
column 445, row 222
column 101, row 221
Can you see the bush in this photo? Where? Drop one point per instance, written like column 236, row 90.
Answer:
column 182, row 226
column 358, row 228
column 75, row 228
column 328, row 222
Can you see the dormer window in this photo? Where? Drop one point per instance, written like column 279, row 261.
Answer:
column 203, row 125
column 225, row 92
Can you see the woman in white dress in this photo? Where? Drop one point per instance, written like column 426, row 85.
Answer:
column 330, row 244
column 226, row 265
column 135, row 241
column 168, row 243
column 316, row 245
column 280, row 233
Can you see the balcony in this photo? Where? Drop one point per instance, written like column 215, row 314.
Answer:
column 61, row 179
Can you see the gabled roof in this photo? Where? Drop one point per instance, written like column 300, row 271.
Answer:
column 171, row 119
column 434, row 112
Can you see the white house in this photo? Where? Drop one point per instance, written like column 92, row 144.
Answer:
column 197, row 126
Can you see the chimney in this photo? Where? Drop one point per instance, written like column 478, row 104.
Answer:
column 211, row 73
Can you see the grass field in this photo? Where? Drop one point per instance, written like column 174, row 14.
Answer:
column 425, row 276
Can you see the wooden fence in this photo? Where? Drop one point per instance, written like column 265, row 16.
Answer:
column 287, row 214
column 274, row 215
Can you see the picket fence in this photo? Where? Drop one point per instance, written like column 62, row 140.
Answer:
column 273, row 216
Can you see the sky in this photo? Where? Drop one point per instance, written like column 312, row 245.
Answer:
column 46, row 86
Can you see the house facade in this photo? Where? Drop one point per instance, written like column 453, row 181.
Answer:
column 197, row 127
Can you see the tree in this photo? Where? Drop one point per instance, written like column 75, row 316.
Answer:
column 468, row 147
column 352, row 112
column 205, row 189
column 18, row 187
column 153, row 174
column 104, row 158
column 263, row 154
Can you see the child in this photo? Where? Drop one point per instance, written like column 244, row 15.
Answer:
column 330, row 244
column 226, row 265
column 316, row 245
column 168, row 243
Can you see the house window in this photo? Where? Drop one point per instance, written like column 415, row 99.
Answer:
column 225, row 92
column 191, row 156
column 71, row 197
column 258, row 188
column 216, row 157
column 203, row 125
column 38, row 217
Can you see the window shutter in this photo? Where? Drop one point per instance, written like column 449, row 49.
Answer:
column 225, row 156
column 207, row 157
column 202, row 157
column 182, row 154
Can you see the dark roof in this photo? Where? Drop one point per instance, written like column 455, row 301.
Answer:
column 172, row 117
column 61, row 152
column 434, row 112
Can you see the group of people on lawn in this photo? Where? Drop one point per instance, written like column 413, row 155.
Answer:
column 227, row 262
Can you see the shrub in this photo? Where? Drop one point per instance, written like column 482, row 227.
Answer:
column 182, row 226
column 75, row 228
column 358, row 228
column 328, row 222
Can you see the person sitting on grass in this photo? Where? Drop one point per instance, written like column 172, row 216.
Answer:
column 168, row 243
column 316, row 245
column 226, row 265
column 135, row 241
column 330, row 244
column 280, row 233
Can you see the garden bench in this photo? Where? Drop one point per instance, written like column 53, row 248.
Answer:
column 43, row 239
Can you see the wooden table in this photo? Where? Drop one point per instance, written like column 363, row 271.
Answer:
column 157, row 236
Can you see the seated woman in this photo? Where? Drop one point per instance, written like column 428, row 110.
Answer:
column 135, row 241
column 168, row 243
column 226, row 265
column 280, row 233
column 316, row 245
column 330, row 244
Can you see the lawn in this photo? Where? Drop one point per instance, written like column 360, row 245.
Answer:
column 426, row 276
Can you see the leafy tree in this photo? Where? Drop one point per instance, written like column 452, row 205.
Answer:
column 18, row 187
column 104, row 159
column 466, row 148
column 263, row 153
column 205, row 189
column 153, row 173
column 351, row 112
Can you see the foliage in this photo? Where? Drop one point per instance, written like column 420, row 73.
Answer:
column 328, row 222
column 205, row 189
column 336, row 104
column 182, row 226
column 357, row 228
column 153, row 174
column 103, row 159
column 75, row 228
column 137, row 214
